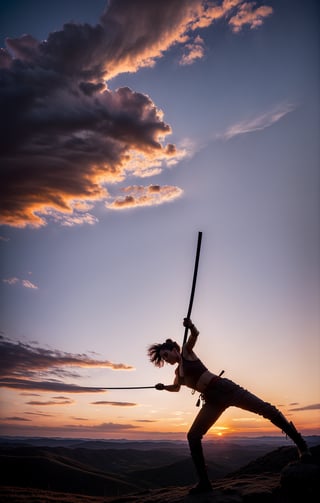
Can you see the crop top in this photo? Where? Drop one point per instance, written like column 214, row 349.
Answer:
column 192, row 370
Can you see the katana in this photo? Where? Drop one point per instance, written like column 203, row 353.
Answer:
column 195, row 272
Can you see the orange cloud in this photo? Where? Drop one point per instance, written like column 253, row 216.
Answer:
column 66, row 401
column 249, row 15
column 114, row 404
column 105, row 427
column 16, row 418
column 46, row 385
column 138, row 195
column 65, row 137
column 22, row 362
column 315, row 406
column 194, row 50
column 141, row 42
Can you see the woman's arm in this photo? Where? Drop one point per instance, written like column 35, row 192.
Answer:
column 169, row 387
column 194, row 332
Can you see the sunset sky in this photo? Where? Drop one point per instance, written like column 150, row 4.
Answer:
column 127, row 127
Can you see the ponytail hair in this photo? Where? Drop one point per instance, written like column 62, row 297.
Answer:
column 154, row 351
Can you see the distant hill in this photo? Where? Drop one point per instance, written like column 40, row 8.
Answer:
column 116, row 461
column 34, row 474
column 58, row 473
column 180, row 473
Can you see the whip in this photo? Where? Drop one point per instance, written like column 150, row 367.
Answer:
column 127, row 387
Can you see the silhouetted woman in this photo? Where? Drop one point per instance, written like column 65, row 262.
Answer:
column 218, row 394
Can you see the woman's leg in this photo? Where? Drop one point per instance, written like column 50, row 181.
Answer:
column 206, row 417
column 247, row 401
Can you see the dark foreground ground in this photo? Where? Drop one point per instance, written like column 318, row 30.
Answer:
column 154, row 472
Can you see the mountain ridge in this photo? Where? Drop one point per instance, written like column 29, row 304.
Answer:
column 158, row 476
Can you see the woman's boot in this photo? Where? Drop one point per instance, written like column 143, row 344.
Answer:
column 289, row 429
column 204, row 484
